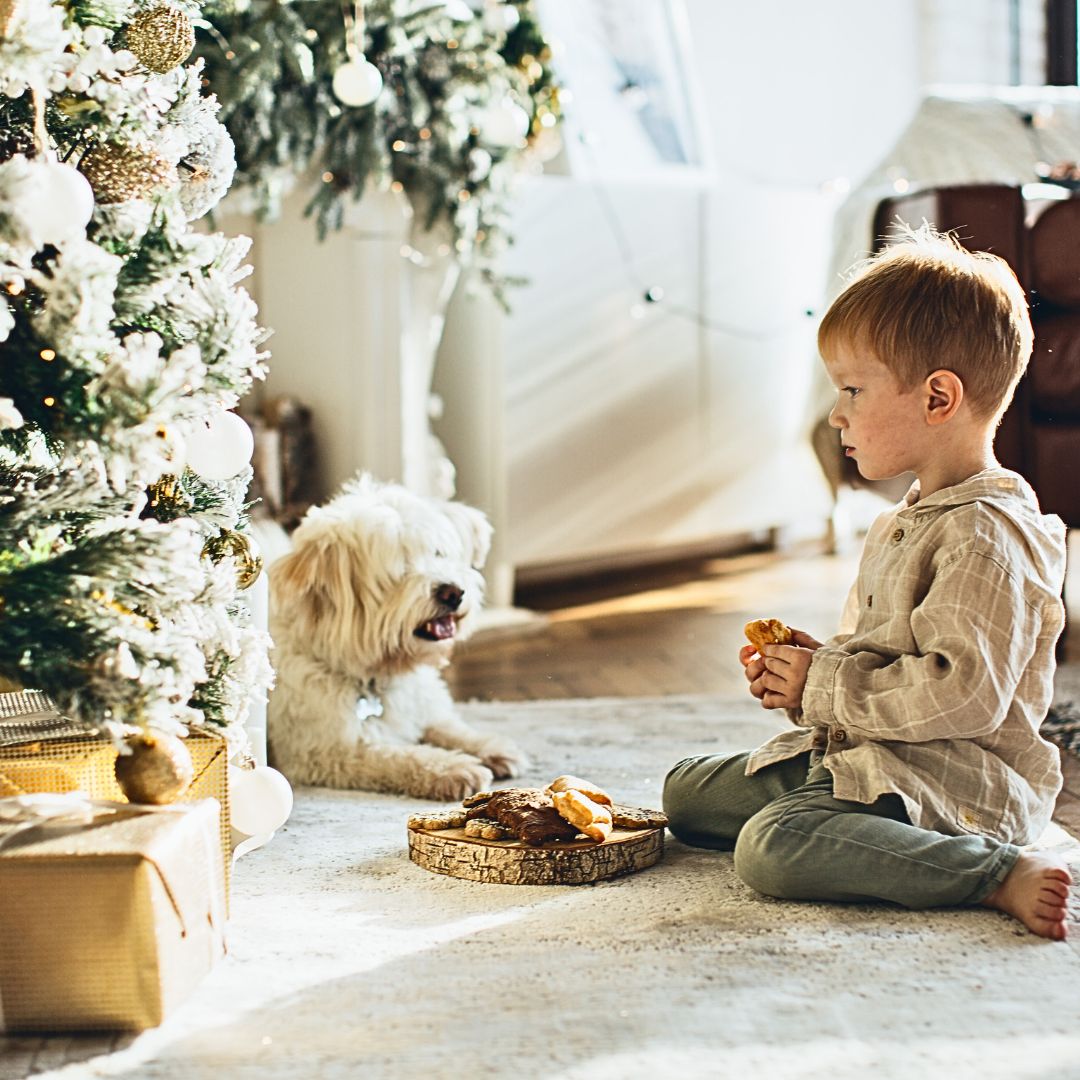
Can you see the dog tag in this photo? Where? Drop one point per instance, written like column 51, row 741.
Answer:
column 367, row 707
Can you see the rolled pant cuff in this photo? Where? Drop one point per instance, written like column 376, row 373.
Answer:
column 1004, row 860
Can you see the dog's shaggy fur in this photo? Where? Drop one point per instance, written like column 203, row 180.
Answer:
column 364, row 611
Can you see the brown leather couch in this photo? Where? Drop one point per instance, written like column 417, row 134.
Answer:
column 1040, row 239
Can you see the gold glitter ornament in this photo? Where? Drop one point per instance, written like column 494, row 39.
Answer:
column 158, row 770
column 161, row 37
column 238, row 546
column 120, row 173
column 167, row 500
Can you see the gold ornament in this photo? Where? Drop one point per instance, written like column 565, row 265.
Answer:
column 8, row 10
column 162, row 37
column 167, row 500
column 158, row 770
column 229, row 543
column 119, row 173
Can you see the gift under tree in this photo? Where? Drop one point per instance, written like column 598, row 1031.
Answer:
column 126, row 339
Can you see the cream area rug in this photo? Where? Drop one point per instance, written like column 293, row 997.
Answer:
column 347, row 960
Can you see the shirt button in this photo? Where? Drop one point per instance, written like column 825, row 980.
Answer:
column 838, row 735
column 898, row 535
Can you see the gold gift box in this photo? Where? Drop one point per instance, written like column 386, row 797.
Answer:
column 108, row 925
column 42, row 751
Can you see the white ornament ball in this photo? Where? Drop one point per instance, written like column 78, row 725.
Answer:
column 504, row 124
column 357, row 82
column 260, row 800
column 59, row 202
column 219, row 448
column 501, row 18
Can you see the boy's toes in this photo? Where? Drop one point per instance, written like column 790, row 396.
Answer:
column 1055, row 888
column 1052, row 910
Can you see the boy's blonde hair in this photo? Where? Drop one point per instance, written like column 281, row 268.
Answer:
column 924, row 303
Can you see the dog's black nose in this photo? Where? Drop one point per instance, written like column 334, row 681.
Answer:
column 449, row 596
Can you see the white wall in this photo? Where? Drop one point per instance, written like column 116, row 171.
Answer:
column 647, row 435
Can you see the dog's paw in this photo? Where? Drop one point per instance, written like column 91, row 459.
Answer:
column 503, row 758
column 460, row 778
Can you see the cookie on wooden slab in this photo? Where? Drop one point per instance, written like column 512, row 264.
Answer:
column 586, row 787
column 587, row 816
column 637, row 817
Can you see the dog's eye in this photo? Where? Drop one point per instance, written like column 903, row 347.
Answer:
column 440, row 554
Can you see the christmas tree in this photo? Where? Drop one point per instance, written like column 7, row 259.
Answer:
column 441, row 101
column 126, row 338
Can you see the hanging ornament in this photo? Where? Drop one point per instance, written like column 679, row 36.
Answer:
column 240, row 547
column 56, row 202
column 503, row 124
column 357, row 82
column 260, row 800
column 220, row 447
column 161, row 37
column 158, row 768
column 120, row 173
column 166, row 500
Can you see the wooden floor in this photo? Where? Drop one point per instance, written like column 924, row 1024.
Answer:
column 669, row 630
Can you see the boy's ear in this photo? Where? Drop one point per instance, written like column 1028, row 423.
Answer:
column 944, row 393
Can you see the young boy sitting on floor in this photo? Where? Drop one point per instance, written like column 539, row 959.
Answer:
column 916, row 767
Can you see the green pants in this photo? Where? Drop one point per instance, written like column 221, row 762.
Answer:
column 795, row 840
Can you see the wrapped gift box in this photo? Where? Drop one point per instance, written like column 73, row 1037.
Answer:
column 110, row 915
column 42, row 751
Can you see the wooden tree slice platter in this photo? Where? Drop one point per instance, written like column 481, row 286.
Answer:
column 510, row 862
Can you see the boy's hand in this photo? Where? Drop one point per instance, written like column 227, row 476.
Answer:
column 777, row 678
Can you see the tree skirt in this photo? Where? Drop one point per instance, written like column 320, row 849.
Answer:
column 347, row 960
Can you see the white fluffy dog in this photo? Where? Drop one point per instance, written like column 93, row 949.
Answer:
column 364, row 611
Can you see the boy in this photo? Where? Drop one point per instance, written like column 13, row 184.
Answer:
column 915, row 767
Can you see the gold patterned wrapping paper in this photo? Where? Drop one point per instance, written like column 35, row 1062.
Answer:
column 108, row 925
column 42, row 751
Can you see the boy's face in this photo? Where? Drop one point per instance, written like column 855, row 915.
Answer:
column 882, row 425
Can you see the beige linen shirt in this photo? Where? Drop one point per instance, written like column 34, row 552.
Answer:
column 938, row 690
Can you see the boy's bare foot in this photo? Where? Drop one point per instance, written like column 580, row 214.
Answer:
column 1036, row 891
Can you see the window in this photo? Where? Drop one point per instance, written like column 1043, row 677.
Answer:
column 1061, row 42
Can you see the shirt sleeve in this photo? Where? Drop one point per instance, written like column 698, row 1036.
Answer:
column 974, row 634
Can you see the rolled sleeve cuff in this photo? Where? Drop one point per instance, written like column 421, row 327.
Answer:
column 820, row 689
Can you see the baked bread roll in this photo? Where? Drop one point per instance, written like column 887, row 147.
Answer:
column 586, row 816
column 762, row 632
column 575, row 783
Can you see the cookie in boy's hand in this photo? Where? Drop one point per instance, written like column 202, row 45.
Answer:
column 762, row 632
